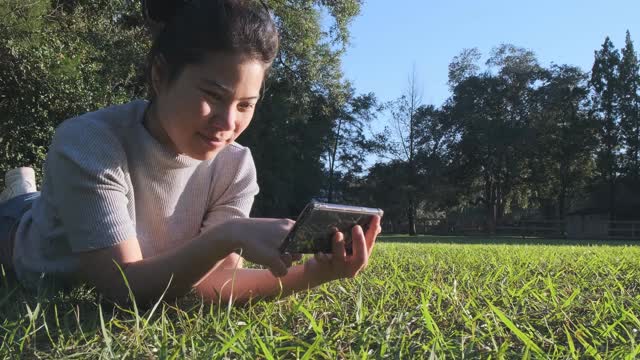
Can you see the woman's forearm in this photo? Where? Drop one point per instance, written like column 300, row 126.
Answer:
column 188, row 264
column 175, row 270
column 183, row 266
column 241, row 285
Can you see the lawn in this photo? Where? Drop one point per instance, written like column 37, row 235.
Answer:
column 445, row 296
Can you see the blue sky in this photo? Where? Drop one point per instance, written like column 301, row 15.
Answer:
column 389, row 37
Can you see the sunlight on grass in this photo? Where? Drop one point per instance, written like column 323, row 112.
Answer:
column 414, row 301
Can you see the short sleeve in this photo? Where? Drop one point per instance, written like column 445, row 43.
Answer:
column 88, row 186
column 234, row 187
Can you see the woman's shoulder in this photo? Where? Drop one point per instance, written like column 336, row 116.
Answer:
column 233, row 159
column 93, row 144
column 235, row 148
column 97, row 137
column 233, row 173
column 102, row 126
column 234, row 152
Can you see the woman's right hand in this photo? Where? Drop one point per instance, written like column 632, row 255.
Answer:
column 259, row 240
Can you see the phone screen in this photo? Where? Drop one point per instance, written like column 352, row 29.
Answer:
column 318, row 222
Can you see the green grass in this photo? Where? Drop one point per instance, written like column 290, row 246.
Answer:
column 450, row 297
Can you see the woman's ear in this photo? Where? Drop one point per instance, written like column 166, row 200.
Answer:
column 159, row 74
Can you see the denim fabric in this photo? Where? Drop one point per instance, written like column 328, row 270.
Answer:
column 11, row 212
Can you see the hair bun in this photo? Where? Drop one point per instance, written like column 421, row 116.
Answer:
column 160, row 12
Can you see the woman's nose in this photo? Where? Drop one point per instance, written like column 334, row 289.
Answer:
column 225, row 119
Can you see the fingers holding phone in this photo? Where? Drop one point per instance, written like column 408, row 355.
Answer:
column 259, row 240
column 373, row 231
column 317, row 223
column 338, row 264
column 338, row 247
column 360, row 250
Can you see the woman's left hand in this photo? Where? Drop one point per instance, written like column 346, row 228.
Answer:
column 338, row 265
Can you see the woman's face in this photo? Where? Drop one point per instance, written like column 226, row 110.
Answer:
column 208, row 106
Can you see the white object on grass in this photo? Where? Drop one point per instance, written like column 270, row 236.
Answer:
column 17, row 182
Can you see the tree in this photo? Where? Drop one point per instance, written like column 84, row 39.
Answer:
column 349, row 145
column 62, row 58
column 629, row 87
column 605, row 98
column 304, row 94
column 386, row 186
column 492, row 113
column 58, row 62
column 463, row 66
column 434, row 138
column 562, row 164
column 482, row 141
column 403, row 146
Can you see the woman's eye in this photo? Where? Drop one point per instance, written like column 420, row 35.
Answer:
column 245, row 106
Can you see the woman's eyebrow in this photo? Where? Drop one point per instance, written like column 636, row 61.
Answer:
column 216, row 84
column 225, row 89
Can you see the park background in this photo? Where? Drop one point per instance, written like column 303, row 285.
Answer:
column 487, row 119
column 506, row 141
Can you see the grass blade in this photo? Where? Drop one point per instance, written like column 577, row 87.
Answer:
column 522, row 336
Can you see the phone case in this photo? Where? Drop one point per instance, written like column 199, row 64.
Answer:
column 316, row 223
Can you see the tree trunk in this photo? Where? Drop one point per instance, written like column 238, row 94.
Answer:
column 490, row 198
column 612, row 197
column 563, row 189
column 636, row 166
column 332, row 163
column 499, row 203
column 412, row 218
column 562, row 201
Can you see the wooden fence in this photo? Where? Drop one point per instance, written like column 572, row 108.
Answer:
column 544, row 228
column 624, row 230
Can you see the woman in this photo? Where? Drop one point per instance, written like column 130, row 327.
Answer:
column 159, row 191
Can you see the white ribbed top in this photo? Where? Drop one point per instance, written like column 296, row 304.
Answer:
column 108, row 180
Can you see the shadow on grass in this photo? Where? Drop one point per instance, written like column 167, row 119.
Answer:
column 500, row 240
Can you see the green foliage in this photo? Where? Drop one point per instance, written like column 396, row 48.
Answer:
column 306, row 96
column 463, row 66
column 520, row 138
column 349, row 146
column 386, row 186
column 604, row 82
column 55, row 65
column 513, row 136
column 615, row 84
column 563, row 165
column 630, row 108
column 493, row 113
column 63, row 58
column 402, row 142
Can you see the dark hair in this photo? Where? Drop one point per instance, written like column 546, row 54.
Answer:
column 185, row 31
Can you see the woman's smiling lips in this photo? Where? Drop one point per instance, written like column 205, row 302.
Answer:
column 212, row 141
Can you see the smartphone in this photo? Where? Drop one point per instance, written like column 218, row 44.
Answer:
column 316, row 224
